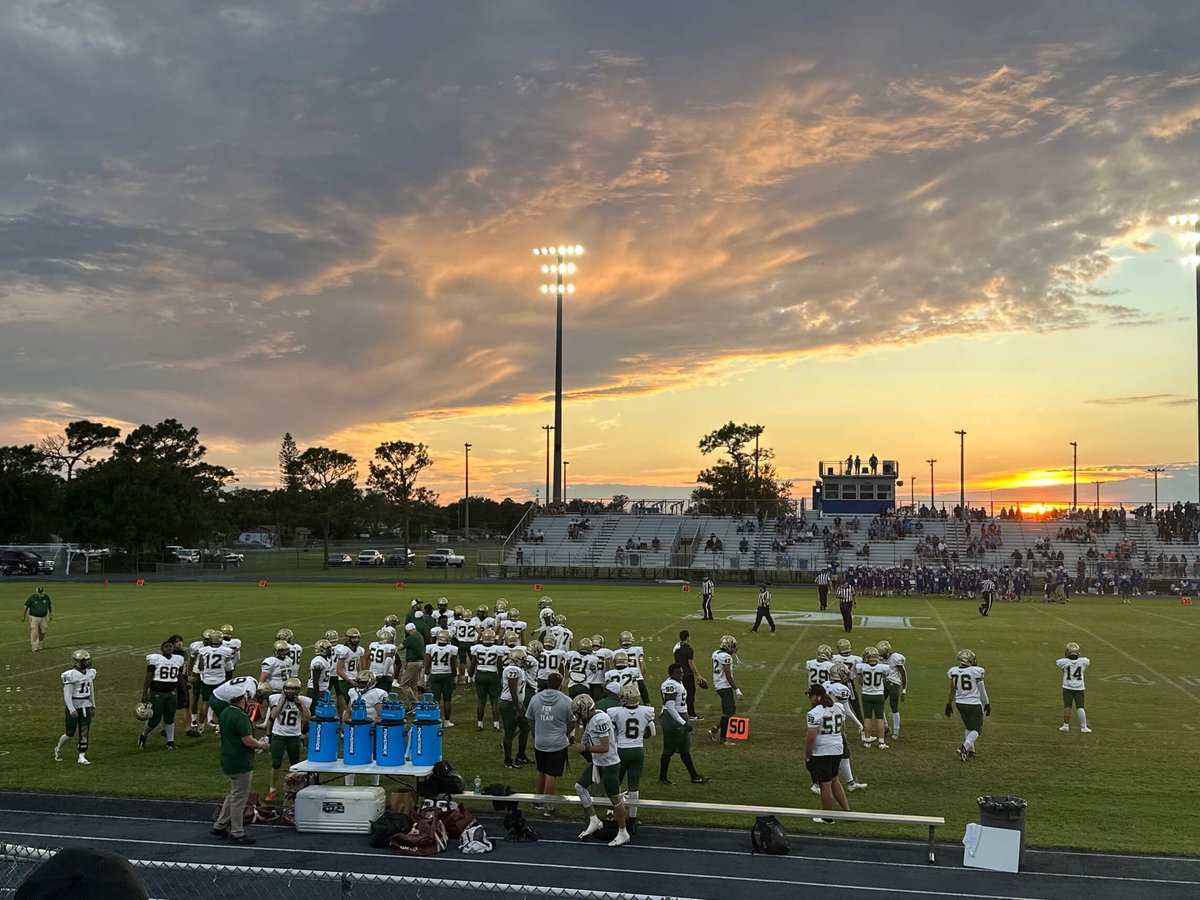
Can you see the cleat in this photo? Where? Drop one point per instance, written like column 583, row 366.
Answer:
column 665, row 781
column 697, row 779
column 83, row 760
column 962, row 753
column 821, row 821
column 141, row 742
column 883, row 746
column 621, row 838
column 712, row 735
column 220, row 832
column 57, row 755
column 170, row 745
column 193, row 732
column 495, row 726
column 816, row 789
column 1085, row 730
column 447, row 724
column 592, row 827
column 511, row 765
column 522, row 760
column 1064, row 727
column 971, row 753
column 857, row 786
column 479, row 726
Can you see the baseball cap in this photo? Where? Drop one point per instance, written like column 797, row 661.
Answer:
column 410, row 627
column 82, row 873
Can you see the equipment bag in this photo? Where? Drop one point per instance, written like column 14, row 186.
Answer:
column 475, row 840
column 768, row 836
column 443, row 780
column 456, row 817
column 427, row 838
column 387, row 827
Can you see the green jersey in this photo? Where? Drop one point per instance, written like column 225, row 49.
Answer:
column 38, row 605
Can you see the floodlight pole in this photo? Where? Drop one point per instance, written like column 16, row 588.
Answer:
column 931, row 462
column 1074, row 475
column 1097, row 484
column 1191, row 222
column 1155, row 470
column 558, row 268
column 547, row 429
column 467, row 494
column 962, row 478
column 564, row 480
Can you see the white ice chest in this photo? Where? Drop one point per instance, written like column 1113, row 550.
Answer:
column 338, row 809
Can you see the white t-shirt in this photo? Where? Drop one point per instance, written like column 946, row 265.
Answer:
column 632, row 726
column 287, row 720
column 721, row 659
column 1072, row 670
column 873, row 678
column 966, row 684
column 441, row 658
column 212, row 663
column 382, row 656
column 829, row 721
column 79, row 688
column 896, row 661
column 599, row 727
column 319, row 671
column 278, row 671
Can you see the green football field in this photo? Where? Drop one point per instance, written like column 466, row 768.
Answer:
column 1123, row 787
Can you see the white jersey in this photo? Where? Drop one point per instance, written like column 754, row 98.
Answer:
column 829, row 722
column 605, row 655
column 213, row 663
column 319, row 671
column 564, row 635
column 577, row 669
column 839, row 692
column 627, row 675
column 371, row 698
column 546, row 617
column 288, row 719
column 632, row 726
column 79, row 689
column 352, row 659
column 555, row 660
column 165, row 670
column 441, row 658
column 721, row 659
column 850, row 659
column 512, row 672
column 675, row 698
column 464, row 633
column 636, row 655
column 818, row 670
column 896, row 661
column 295, row 653
column 594, row 669
column 599, row 727
column 235, row 654
column 873, row 678
column 195, row 647
column 278, row 671
column 966, row 684
column 531, row 673
column 1072, row 670
column 486, row 657
column 382, row 658
column 237, row 687
column 474, row 628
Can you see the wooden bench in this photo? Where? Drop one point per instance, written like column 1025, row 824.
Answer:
column 930, row 822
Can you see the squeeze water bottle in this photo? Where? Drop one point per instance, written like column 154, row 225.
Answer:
column 478, row 785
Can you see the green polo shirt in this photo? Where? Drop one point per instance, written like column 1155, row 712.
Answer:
column 414, row 647
column 38, row 605
column 236, row 757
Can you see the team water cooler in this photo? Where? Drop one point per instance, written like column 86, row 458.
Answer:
column 323, row 732
column 425, row 736
column 358, row 749
column 390, row 733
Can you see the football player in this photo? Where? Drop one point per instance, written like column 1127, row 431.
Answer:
column 278, row 668
column 633, row 722
column 968, row 693
column 465, row 633
column 564, row 635
column 818, row 667
column 604, row 653
column 637, row 659
column 896, row 686
column 285, row 722
column 871, row 674
column 823, row 747
column 335, row 641
column 372, row 698
column 600, row 740
column 545, row 616
column 441, row 667
column 164, row 674
column 320, row 670
column 79, row 697
column 390, row 625
column 501, row 607
column 677, row 728
column 596, row 665
column 211, row 665
column 485, row 672
column 537, row 652
column 235, row 646
column 1073, row 666
column 349, row 656
column 577, row 668
column 515, row 623
column 381, row 658
column 725, row 686
column 295, row 651
column 555, row 658
column 622, row 673
column 193, row 680
column 512, row 708
column 840, row 677
column 244, row 686
column 845, row 654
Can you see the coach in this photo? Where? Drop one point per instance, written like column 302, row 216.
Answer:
column 238, row 744
column 550, row 719
column 414, row 664
column 846, row 605
column 685, row 658
column 39, row 612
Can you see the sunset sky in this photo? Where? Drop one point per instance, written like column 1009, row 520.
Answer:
column 861, row 225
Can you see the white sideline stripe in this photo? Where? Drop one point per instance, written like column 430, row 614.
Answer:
column 545, row 865
column 1128, row 656
column 762, row 692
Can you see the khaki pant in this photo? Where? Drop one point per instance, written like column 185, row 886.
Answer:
column 234, row 807
column 409, row 679
column 37, row 631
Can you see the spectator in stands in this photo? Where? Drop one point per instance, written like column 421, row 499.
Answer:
column 83, row 873
column 857, row 465
column 656, row 544
column 620, row 556
column 873, row 462
column 743, row 546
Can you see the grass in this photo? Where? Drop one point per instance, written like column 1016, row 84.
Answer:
column 1122, row 788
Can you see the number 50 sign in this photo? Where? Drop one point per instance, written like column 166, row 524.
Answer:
column 739, row 728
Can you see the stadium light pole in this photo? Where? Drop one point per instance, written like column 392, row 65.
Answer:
column 931, row 462
column 962, row 474
column 564, row 481
column 467, row 493
column 1156, row 471
column 1191, row 238
column 1074, row 475
column 1097, row 484
column 547, row 429
column 563, row 256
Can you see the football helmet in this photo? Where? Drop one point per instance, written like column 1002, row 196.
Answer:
column 262, row 690
column 364, row 680
column 214, row 637
column 884, row 648
column 840, row 672
column 291, row 688
column 545, row 603
column 560, row 619
column 481, row 612
column 282, row 649
column 585, row 646
column 1072, row 650
column 728, row 643
column 501, row 605
column 824, row 653
column 511, row 639
column 597, row 640
column 536, row 648
column 353, row 636
column 488, row 636
column 443, row 637
column 583, row 706
column 284, row 634
column 550, row 642
column 384, row 635
column 391, row 621
column 844, row 645
column 966, row 657
column 227, row 631
column 323, row 648
column 443, row 603
column 626, row 639
column 332, row 636
column 871, row 655
column 517, row 655
column 143, row 712
column 514, row 614
column 461, row 612
column 630, row 697
column 620, row 659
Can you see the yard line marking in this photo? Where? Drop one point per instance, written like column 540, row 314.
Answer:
column 1128, row 656
column 1172, row 619
column 1187, row 727
column 1138, row 725
column 942, row 622
column 774, row 672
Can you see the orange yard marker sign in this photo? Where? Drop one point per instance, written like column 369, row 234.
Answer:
column 399, row 585
column 739, row 728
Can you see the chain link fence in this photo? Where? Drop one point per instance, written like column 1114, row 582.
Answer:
column 208, row 881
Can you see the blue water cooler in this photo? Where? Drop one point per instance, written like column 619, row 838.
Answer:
column 323, row 731
column 425, row 736
column 390, row 733
column 358, row 749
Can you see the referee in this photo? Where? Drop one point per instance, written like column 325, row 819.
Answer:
column 764, row 609
column 987, row 591
column 846, row 605
column 706, row 597
column 823, row 589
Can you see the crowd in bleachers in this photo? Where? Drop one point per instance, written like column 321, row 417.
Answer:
column 1180, row 522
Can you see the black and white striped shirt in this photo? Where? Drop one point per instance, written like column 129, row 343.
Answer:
column 846, row 593
column 823, row 579
column 764, row 598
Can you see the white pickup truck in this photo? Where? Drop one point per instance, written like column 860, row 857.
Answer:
column 444, row 556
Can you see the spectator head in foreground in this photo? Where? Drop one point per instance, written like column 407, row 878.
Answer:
column 82, row 873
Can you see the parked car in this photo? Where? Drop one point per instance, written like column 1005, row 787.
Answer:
column 370, row 558
column 230, row 558
column 339, row 559
column 186, row 555
column 24, row 562
column 444, row 556
column 399, row 558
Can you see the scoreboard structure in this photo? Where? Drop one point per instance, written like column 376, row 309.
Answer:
column 843, row 488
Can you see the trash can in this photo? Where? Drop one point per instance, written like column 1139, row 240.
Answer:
column 1004, row 812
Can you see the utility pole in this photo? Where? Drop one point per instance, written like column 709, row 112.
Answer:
column 1074, row 475
column 1097, row 484
column 1156, row 471
column 547, row 429
column 931, row 462
column 962, row 479
column 467, row 495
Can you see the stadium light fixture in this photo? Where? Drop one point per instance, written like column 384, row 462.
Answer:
column 1190, row 236
column 1156, row 471
column 557, row 286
